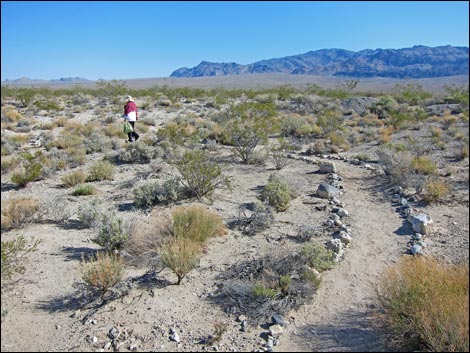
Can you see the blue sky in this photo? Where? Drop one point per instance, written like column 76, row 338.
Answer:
column 131, row 39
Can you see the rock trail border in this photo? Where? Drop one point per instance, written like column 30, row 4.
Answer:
column 338, row 318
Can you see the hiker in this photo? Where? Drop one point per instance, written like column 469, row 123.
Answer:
column 131, row 115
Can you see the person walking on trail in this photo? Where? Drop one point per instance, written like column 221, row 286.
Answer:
column 131, row 115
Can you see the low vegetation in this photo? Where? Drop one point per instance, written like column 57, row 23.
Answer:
column 425, row 304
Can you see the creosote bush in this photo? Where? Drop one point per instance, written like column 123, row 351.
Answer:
column 201, row 175
column 13, row 253
column 426, row 304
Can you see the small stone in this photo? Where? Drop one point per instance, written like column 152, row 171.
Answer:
column 279, row 320
column 113, row 333
column 416, row 249
column 107, row 346
column 276, row 330
column 241, row 318
column 175, row 337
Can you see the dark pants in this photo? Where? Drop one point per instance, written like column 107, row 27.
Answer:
column 133, row 136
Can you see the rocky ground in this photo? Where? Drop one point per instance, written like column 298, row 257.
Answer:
column 47, row 309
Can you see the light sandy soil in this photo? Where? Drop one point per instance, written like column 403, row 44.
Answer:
column 46, row 310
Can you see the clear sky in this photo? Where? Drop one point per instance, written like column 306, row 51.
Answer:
column 132, row 39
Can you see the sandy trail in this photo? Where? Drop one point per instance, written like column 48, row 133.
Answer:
column 337, row 320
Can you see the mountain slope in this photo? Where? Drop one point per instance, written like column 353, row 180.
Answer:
column 416, row 62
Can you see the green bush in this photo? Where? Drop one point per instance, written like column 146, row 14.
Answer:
column 201, row 175
column 137, row 152
column 317, row 256
column 84, row 190
column 154, row 193
column 330, row 120
column 277, row 193
column 13, row 252
column 32, row 169
column 112, row 234
column 101, row 170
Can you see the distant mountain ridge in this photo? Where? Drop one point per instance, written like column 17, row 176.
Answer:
column 25, row 80
column 416, row 62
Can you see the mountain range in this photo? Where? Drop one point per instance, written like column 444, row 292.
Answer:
column 26, row 80
column 416, row 62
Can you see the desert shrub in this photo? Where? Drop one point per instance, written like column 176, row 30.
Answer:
column 462, row 152
column 245, row 137
column 9, row 164
column 147, row 236
column 66, row 141
column 279, row 154
column 19, row 212
column 103, row 272
column 31, row 169
column 259, row 288
column 153, row 193
column 397, row 164
column 330, row 120
column 277, row 193
column 101, row 170
column 112, row 232
column 181, row 255
column 412, row 94
column 73, row 179
column 253, row 221
column 384, row 107
column 425, row 304
column 138, row 152
column 435, row 190
column 196, row 223
column 47, row 105
column 97, row 142
column 317, row 256
column 201, row 175
column 290, row 125
column 89, row 214
column 13, row 253
column 84, row 190
column 424, row 165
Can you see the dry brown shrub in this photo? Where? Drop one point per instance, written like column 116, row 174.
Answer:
column 19, row 212
column 386, row 134
column 197, row 223
column 435, row 190
column 103, row 272
column 426, row 303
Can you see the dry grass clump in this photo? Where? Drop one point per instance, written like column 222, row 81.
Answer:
column 103, row 272
column 19, row 212
column 101, row 170
column 424, row 165
column 426, row 303
column 386, row 134
column 181, row 255
column 191, row 227
column 435, row 190
column 73, row 179
column 197, row 223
